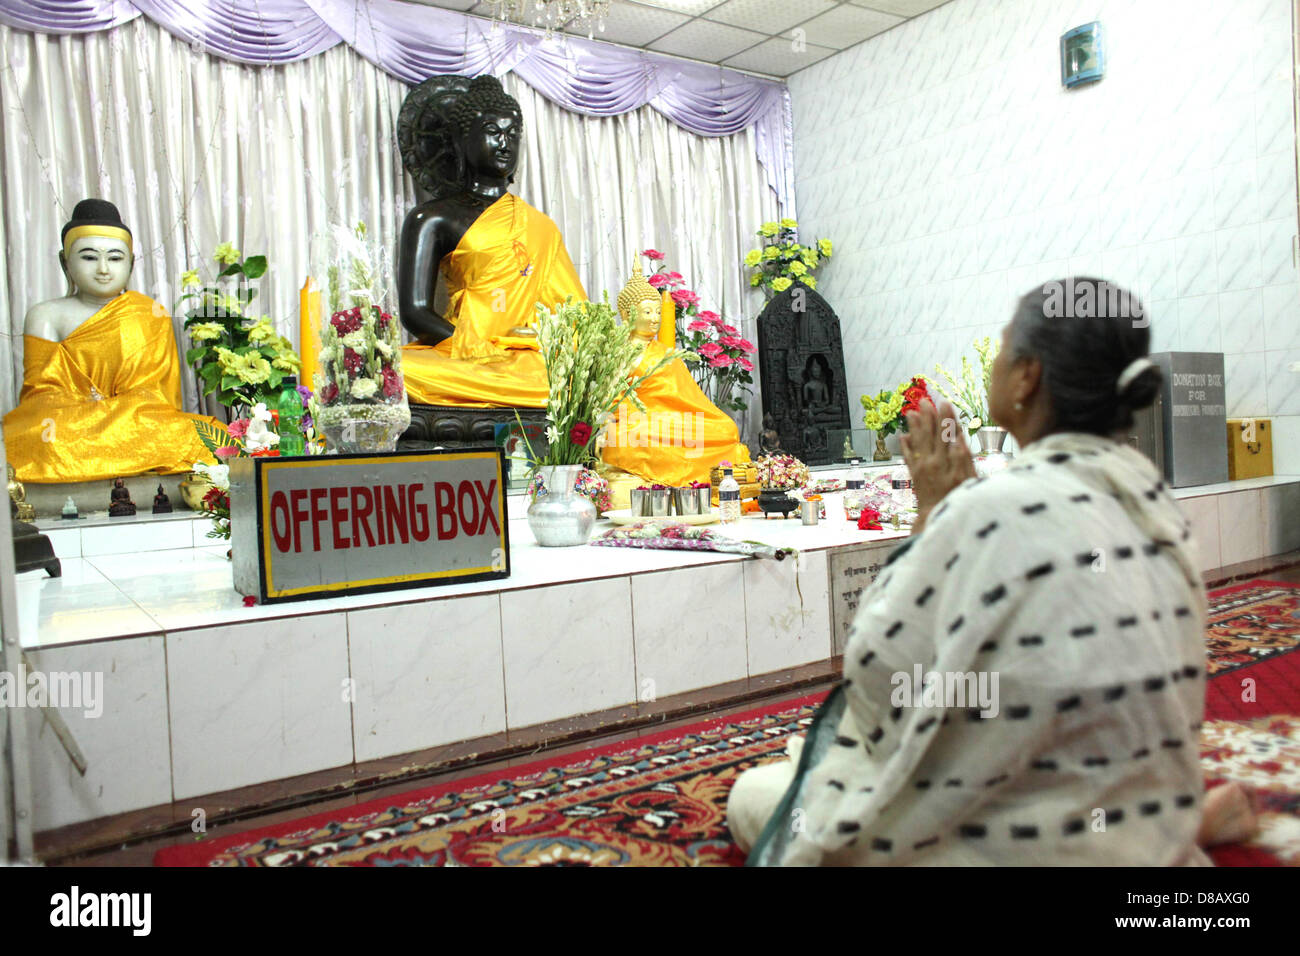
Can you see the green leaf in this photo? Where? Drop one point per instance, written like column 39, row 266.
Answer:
column 255, row 266
column 194, row 354
column 234, row 269
column 209, row 374
column 274, row 379
column 229, row 382
column 212, row 436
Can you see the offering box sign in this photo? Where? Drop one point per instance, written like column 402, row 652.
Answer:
column 343, row 524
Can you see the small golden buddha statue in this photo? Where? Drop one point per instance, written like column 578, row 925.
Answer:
column 681, row 435
column 18, row 495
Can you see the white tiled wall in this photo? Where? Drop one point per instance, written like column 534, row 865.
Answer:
column 954, row 173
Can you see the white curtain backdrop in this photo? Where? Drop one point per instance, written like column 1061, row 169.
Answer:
column 195, row 150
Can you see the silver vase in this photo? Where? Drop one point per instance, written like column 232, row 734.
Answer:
column 560, row 517
column 991, row 457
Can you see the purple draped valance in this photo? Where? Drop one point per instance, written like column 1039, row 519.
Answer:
column 413, row 42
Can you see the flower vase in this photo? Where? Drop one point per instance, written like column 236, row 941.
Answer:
column 991, row 457
column 559, row 517
column 882, row 451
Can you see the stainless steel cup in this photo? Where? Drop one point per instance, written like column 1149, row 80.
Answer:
column 686, row 501
column 809, row 510
column 704, row 499
column 640, row 502
column 660, row 503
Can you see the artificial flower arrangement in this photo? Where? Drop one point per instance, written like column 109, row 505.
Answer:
column 781, row 472
column 591, row 359
column 238, row 358
column 968, row 392
column 252, row 437
column 589, row 484
column 721, row 365
column 360, row 400
column 884, row 413
column 782, row 261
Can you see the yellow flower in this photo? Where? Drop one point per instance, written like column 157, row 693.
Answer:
column 753, row 257
column 798, row 268
column 755, row 279
column 190, row 278
column 789, row 224
column 251, row 368
column 771, row 252
column 261, row 331
column 287, row 362
column 824, row 246
column 809, row 281
column 226, row 253
column 768, row 229
column 226, row 359
column 206, row 331
column 781, row 283
column 810, row 258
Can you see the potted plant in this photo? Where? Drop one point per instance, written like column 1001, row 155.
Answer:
column 782, row 261
column 968, row 393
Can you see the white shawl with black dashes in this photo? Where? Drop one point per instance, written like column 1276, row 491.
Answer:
column 1070, row 577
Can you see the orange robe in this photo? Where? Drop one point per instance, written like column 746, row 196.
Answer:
column 681, row 435
column 510, row 259
column 105, row 402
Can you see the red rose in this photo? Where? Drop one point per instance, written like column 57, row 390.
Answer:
column 329, row 393
column 353, row 360
column 249, row 600
column 392, row 382
column 869, row 520
column 580, row 434
column 345, row 322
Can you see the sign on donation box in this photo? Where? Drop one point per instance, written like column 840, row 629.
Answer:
column 342, row 524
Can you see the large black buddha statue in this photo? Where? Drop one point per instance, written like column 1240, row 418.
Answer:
column 498, row 256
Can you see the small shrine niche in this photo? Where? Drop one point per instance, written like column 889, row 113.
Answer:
column 801, row 370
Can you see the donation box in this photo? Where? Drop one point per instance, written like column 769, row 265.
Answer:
column 327, row 525
column 1194, row 410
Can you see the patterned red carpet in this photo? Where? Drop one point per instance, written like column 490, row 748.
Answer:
column 661, row 800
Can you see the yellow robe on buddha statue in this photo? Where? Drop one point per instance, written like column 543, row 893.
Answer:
column 510, row 259
column 105, row 402
column 681, row 435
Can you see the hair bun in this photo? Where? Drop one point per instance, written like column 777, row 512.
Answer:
column 1141, row 392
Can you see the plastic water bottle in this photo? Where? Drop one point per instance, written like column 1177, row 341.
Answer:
column 855, row 486
column 901, row 490
column 729, row 498
column 289, row 405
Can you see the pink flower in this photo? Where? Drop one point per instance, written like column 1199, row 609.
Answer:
column 227, row 451
column 654, row 254
column 698, row 326
column 685, row 298
column 238, row 428
column 720, row 361
column 711, row 317
column 728, row 329
column 747, row 347
column 658, row 280
column 746, row 364
column 710, row 349
column 731, row 342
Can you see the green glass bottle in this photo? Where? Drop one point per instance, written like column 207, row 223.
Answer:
column 289, row 405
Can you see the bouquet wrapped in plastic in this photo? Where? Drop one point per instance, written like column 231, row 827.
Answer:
column 360, row 401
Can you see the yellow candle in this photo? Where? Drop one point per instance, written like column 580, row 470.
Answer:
column 308, row 332
column 668, row 321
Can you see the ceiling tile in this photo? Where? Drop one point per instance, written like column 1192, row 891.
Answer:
column 903, row 8
column 704, row 40
column 692, row 7
column 846, row 26
column 777, row 57
column 632, row 24
column 766, row 16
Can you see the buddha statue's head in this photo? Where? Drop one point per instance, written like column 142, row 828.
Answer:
column 96, row 255
column 639, row 304
column 455, row 132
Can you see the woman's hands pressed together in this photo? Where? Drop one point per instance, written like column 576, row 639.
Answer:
column 935, row 451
